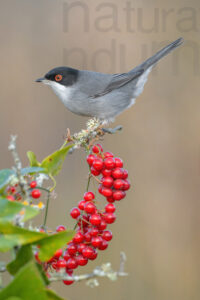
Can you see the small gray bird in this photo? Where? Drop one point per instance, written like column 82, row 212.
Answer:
column 100, row 95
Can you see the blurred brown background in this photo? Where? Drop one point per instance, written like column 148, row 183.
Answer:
column 158, row 223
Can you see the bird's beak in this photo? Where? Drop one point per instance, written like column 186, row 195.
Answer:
column 40, row 79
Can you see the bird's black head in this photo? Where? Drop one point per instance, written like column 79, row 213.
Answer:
column 63, row 75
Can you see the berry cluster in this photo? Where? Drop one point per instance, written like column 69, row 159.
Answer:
column 114, row 183
column 14, row 193
column 91, row 234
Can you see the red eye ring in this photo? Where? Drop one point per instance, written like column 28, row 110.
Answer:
column 58, row 77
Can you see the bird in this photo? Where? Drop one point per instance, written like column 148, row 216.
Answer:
column 100, row 95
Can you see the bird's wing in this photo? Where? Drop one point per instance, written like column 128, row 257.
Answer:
column 117, row 81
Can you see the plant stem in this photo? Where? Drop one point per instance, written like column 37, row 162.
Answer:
column 40, row 188
column 88, row 183
column 64, row 144
column 99, row 181
column 46, row 211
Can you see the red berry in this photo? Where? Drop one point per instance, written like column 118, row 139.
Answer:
column 104, row 245
column 89, row 196
column 108, row 154
column 95, row 149
column 98, row 164
column 94, row 255
column 12, row 190
column 68, row 282
column 75, row 213
column 109, row 163
column 60, row 228
column 54, row 265
column 81, row 260
column 100, row 147
column 110, row 208
column 72, row 263
column 118, row 184
column 95, row 172
column 81, row 204
column 10, row 198
column 110, row 199
column 95, row 219
column 52, row 260
column 71, row 248
column 87, row 237
column 94, row 231
column 89, row 207
column 125, row 175
column 90, row 159
column 66, row 255
column 80, row 247
column 102, row 225
column 78, row 238
column 107, row 192
column 118, row 173
column 118, row 162
column 58, row 253
column 69, row 272
column 126, row 185
column 107, row 181
column 36, row 194
column 61, row 263
column 33, row 184
column 109, row 218
column 96, row 241
column 100, row 189
column 118, row 195
column 88, row 252
column 106, row 172
column 107, row 235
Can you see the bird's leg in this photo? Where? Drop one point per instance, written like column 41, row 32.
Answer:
column 103, row 130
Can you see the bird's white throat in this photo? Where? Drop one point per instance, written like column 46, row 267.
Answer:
column 63, row 92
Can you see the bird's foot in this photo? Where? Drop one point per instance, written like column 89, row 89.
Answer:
column 112, row 130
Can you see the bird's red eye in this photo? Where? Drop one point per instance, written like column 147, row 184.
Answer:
column 58, row 77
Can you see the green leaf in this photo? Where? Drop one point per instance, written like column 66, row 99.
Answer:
column 32, row 170
column 50, row 244
column 42, row 273
column 27, row 285
column 5, row 177
column 52, row 295
column 53, row 163
column 14, row 298
column 15, row 236
column 24, row 255
column 32, row 159
column 9, row 210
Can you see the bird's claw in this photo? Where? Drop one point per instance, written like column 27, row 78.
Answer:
column 112, row 130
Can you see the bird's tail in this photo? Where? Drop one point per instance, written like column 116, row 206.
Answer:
column 160, row 54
